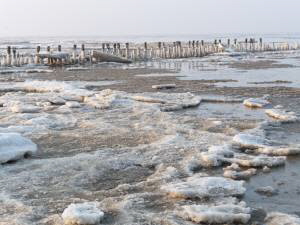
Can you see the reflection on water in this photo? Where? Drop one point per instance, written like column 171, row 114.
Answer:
column 217, row 68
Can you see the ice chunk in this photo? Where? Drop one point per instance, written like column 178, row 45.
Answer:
column 239, row 175
column 220, row 214
column 210, row 160
column 164, row 86
column 76, row 69
column 282, row 115
column 147, row 99
column 214, row 156
column 82, row 214
column 193, row 102
column 38, row 71
column 279, row 151
column 166, row 174
column 268, row 191
column 73, row 104
column 256, row 161
column 13, row 146
column 57, row 100
column 223, row 150
column 276, row 218
column 247, row 140
column 25, row 108
column 256, row 102
column 201, row 187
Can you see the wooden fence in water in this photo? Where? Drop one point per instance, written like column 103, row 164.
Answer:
column 135, row 52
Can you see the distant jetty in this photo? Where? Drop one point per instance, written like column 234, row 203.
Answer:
column 130, row 52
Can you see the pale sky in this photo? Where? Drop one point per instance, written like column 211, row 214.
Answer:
column 146, row 17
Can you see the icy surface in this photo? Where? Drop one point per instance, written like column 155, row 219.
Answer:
column 82, row 214
column 13, row 147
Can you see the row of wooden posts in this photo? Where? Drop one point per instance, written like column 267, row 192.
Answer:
column 138, row 52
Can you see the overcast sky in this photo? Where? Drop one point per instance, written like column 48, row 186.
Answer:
column 146, row 17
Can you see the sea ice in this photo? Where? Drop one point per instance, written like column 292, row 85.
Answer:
column 239, row 175
column 279, row 151
column 276, row 218
column 247, row 140
column 82, row 214
column 282, row 115
column 201, row 187
column 13, row 146
column 219, row 214
column 21, row 108
column 256, row 161
column 268, row 191
column 256, row 102
column 73, row 104
column 164, row 86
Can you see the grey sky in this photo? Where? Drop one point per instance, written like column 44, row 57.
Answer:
column 146, row 17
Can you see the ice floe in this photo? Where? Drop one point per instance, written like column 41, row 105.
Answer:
column 282, row 115
column 239, row 175
column 164, row 86
column 276, row 218
column 13, row 146
column 219, row 214
column 256, row 161
column 82, row 214
column 73, row 104
column 279, row 151
column 248, row 140
column 201, row 187
column 256, row 102
column 268, row 191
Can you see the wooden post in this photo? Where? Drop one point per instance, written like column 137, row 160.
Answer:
column 82, row 53
column 37, row 58
column 8, row 56
column 127, row 50
column 49, row 59
column 14, row 59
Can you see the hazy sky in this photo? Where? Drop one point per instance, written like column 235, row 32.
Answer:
column 146, row 17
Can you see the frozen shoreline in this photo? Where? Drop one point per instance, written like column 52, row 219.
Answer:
column 121, row 149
